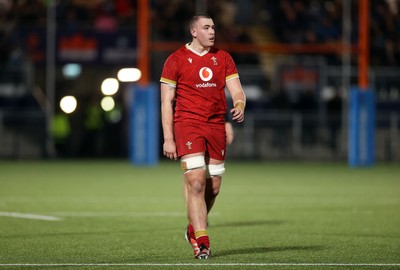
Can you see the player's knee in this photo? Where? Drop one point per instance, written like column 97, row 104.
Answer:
column 212, row 187
column 215, row 192
column 216, row 169
column 191, row 163
column 196, row 187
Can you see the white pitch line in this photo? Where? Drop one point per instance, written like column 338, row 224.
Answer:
column 119, row 214
column 29, row 216
column 56, row 216
column 202, row 264
column 122, row 214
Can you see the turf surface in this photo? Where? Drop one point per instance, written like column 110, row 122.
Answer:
column 112, row 215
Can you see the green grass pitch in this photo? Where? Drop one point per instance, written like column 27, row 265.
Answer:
column 269, row 215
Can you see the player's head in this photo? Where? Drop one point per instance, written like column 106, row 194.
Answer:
column 202, row 29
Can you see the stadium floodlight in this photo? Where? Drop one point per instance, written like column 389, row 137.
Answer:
column 129, row 74
column 71, row 71
column 109, row 86
column 107, row 104
column 68, row 104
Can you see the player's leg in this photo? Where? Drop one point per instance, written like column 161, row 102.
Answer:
column 189, row 232
column 214, row 182
column 216, row 150
column 216, row 147
column 210, row 194
column 213, row 185
column 191, row 147
column 195, row 183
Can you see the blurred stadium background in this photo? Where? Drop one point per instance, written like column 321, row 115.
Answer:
column 297, row 60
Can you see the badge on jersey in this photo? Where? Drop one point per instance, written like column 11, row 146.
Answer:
column 214, row 60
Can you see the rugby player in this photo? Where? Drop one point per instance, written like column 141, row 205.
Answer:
column 193, row 106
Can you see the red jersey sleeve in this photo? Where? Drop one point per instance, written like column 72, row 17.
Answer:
column 231, row 71
column 169, row 73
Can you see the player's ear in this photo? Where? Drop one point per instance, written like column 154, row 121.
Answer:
column 193, row 32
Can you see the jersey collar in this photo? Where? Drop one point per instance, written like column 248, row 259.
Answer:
column 193, row 51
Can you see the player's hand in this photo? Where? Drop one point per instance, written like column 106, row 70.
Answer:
column 169, row 149
column 237, row 115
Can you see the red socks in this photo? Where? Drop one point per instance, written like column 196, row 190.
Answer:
column 202, row 238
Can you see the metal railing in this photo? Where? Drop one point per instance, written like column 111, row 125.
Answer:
column 266, row 133
column 294, row 136
column 22, row 134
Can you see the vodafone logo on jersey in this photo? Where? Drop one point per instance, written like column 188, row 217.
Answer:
column 205, row 74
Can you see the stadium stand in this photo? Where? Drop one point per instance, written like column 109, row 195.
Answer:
column 22, row 53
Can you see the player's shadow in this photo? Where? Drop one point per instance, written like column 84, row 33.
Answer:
column 258, row 250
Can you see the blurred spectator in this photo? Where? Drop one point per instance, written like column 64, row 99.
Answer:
column 105, row 20
column 292, row 21
column 71, row 16
column 125, row 12
column 61, row 129
column 31, row 12
column 168, row 18
column 94, row 122
column 385, row 29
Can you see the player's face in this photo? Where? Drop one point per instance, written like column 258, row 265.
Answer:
column 204, row 31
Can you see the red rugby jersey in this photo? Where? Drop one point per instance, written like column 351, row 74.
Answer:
column 200, row 83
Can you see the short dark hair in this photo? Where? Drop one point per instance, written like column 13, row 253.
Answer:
column 196, row 17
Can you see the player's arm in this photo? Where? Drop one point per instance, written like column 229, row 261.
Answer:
column 238, row 98
column 167, row 120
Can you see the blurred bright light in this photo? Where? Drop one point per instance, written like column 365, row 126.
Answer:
column 129, row 74
column 68, row 104
column 115, row 116
column 71, row 71
column 107, row 104
column 109, row 86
